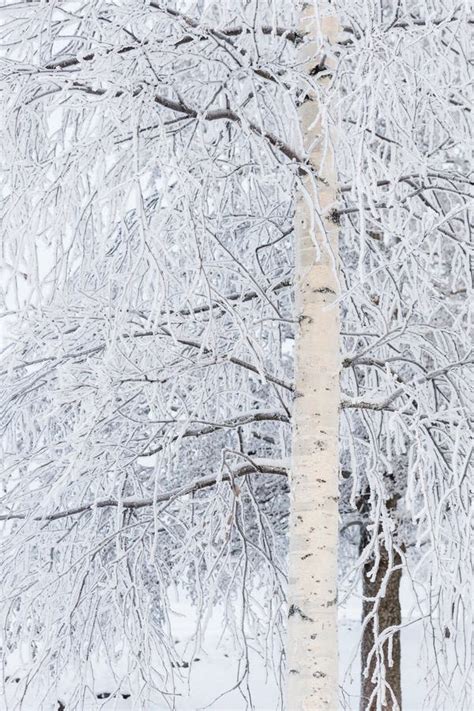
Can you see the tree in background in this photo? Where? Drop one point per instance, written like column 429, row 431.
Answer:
column 406, row 340
column 153, row 155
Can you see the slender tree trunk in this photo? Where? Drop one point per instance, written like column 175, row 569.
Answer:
column 312, row 623
column 388, row 615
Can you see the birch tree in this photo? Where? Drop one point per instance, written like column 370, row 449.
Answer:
column 159, row 159
column 312, row 597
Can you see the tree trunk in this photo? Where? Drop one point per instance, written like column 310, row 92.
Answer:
column 388, row 615
column 312, row 623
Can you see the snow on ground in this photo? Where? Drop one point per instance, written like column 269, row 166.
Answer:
column 214, row 671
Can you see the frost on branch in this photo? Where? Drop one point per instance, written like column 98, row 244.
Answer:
column 151, row 157
column 146, row 377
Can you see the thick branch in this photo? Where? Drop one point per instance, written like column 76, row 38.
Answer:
column 211, row 427
column 226, row 33
column 259, row 466
column 183, row 109
column 360, row 403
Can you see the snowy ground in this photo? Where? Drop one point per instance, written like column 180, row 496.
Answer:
column 214, row 672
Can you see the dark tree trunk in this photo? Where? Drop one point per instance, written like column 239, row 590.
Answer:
column 389, row 615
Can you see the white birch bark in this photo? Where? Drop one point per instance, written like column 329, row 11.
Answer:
column 312, row 624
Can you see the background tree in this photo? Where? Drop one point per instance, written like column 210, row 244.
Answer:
column 406, row 189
